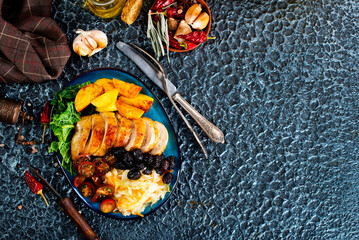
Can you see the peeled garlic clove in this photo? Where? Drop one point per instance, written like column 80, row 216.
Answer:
column 172, row 24
column 192, row 13
column 99, row 36
column 201, row 21
column 183, row 29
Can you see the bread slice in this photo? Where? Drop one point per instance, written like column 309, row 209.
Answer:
column 163, row 139
column 82, row 132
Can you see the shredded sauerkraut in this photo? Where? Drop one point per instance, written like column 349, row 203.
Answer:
column 133, row 196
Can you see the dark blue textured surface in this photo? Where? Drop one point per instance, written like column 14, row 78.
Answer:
column 281, row 80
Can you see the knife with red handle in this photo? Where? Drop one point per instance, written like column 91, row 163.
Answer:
column 70, row 210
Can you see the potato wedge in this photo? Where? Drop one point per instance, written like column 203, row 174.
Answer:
column 106, row 83
column 109, row 108
column 86, row 95
column 127, row 89
column 128, row 111
column 142, row 101
column 106, row 99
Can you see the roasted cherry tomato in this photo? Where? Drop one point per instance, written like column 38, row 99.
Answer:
column 97, row 180
column 87, row 189
column 79, row 179
column 86, row 169
column 80, row 158
column 101, row 167
column 105, row 190
column 108, row 205
column 110, row 159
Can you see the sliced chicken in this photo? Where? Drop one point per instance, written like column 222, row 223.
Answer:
column 110, row 133
column 137, row 134
column 152, row 135
column 82, row 132
column 123, row 132
column 163, row 139
column 97, row 134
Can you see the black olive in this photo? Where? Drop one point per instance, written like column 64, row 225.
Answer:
column 167, row 178
column 147, row 159
column 159, row 171
column 156, row 161
column 118, row 151
column 147, row 171
column 165, row 164
column 137, row 154
column 121, row 165
column 139, row 166
column 134, row 174
column 127, row 159
column 172, row 161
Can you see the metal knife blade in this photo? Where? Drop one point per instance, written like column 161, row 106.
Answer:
column 158, row 77
column 146, row 66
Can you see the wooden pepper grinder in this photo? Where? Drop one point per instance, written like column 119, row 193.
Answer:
column 10, row 112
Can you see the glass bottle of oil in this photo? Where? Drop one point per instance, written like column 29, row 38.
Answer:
column 105, row 8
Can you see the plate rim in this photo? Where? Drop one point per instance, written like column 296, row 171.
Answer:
column 110, row 215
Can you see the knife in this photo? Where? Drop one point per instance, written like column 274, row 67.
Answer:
column 158, row 77
column 69, row 209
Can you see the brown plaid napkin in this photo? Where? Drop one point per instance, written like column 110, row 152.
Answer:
column 33, row 48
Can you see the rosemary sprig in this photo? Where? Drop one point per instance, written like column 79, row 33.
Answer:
column 158, row 34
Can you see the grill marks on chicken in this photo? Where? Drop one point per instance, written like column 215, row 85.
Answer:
column 98, row 133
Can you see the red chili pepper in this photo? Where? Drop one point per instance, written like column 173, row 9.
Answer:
column 34, row 185
column 45, row 118
column 162, row 3
column 196, row 37
column 190, row 45
column 173, row 42
column 172, row 12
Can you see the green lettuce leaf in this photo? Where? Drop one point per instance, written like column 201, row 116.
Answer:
column 63, row 122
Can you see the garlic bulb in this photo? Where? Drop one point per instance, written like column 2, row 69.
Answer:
column 90, row 42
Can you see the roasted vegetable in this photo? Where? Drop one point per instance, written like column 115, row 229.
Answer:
column 106, row 99
column 86, row 94
column 142, row 102
column 127, row 89
column 128, row 111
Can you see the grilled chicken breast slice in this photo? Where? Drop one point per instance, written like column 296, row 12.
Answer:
column 151, row 137
column 97, row 134
column 123, row 132
column 82, row 132
column 137, row 134
column 163, row 139
column 110, row 133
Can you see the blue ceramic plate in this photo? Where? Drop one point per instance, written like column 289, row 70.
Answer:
column 156, row 113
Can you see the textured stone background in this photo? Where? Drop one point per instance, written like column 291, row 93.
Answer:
column 281, row 80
